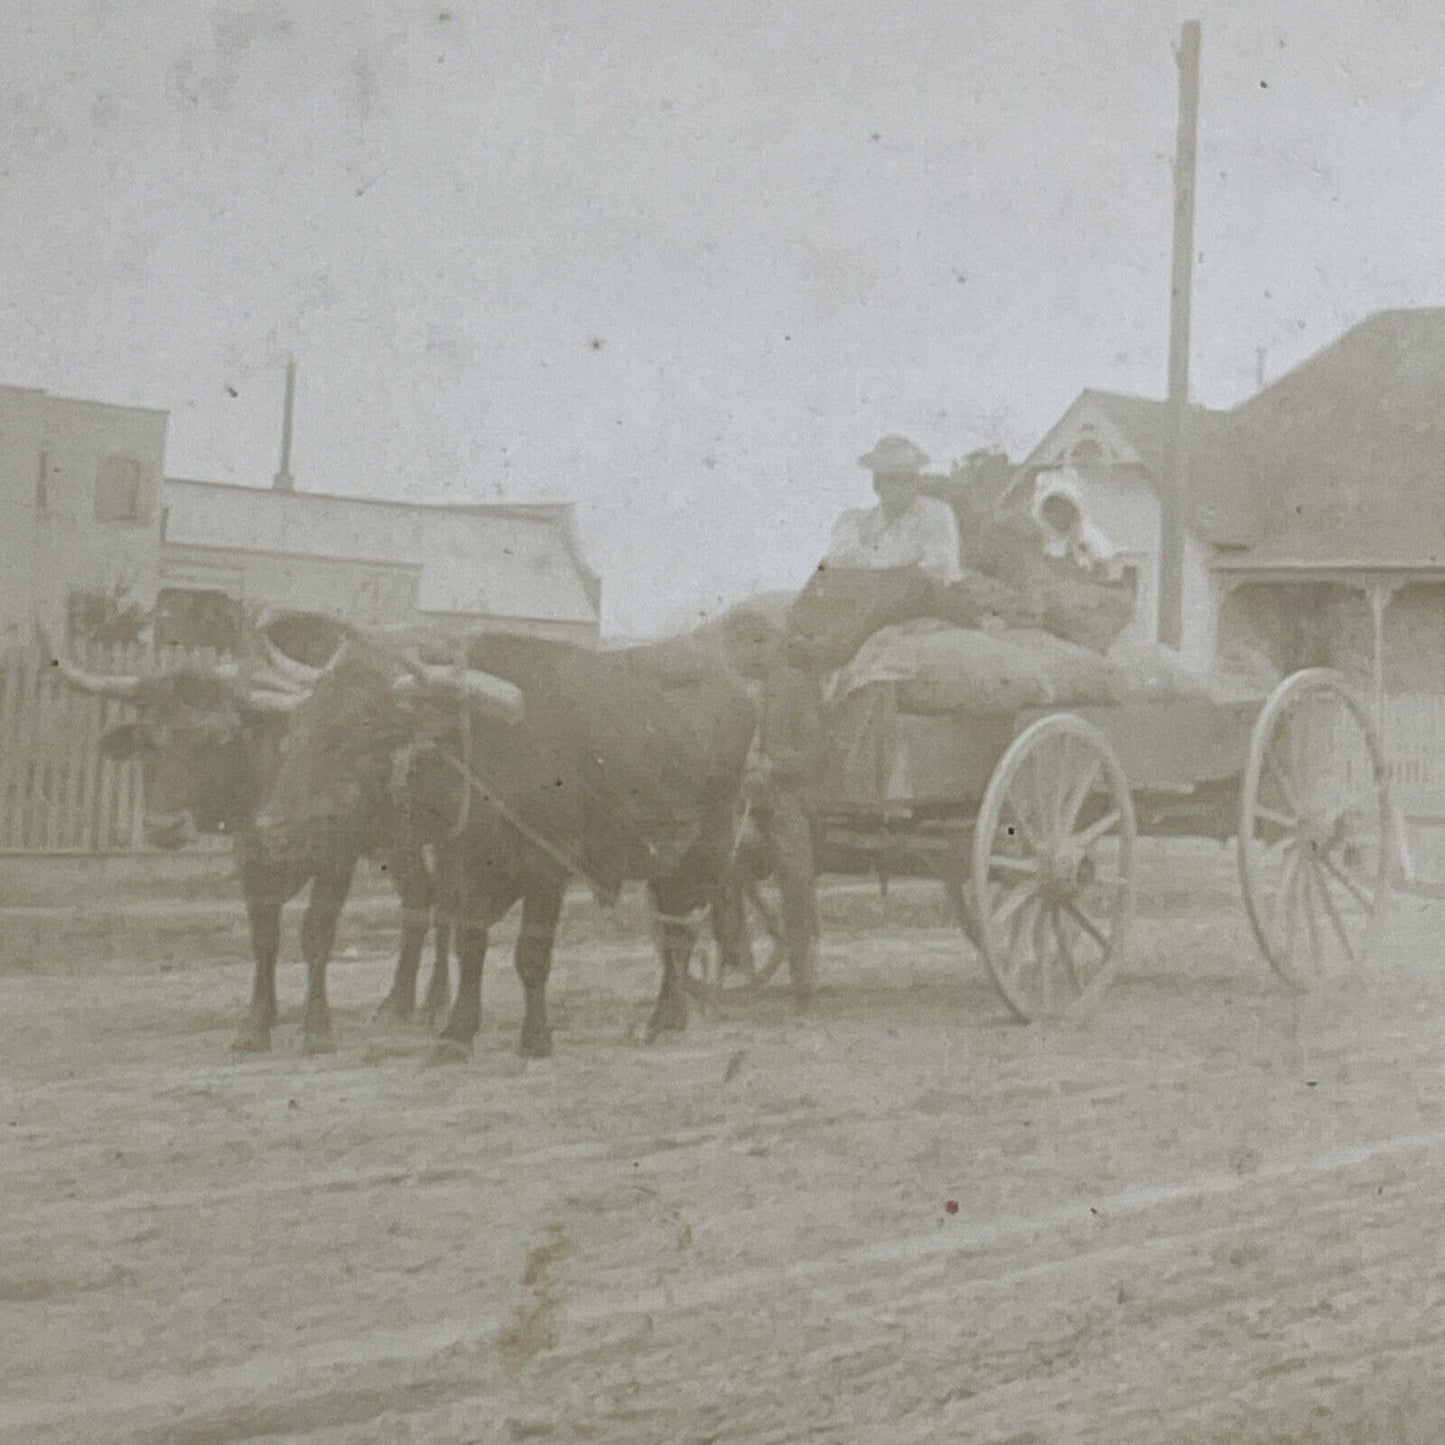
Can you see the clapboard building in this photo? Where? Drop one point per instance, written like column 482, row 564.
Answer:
column 453, row 567
column 80, row 505
column 88, row 516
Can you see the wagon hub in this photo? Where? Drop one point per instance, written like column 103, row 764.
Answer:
column 1319, row 830
column 1062, row 874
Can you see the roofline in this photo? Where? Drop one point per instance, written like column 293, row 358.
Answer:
column 105, row 405
column 519, row 509
column 590, row 621
column 1340, row 337
column 1299, row 565
column 172, row 544
column 47, row 395
column 172, row 551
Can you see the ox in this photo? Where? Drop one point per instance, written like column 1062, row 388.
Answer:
column 530, row 763
column 209, row 742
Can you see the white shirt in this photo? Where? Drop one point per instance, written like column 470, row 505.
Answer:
column 925, row 536
column 1086, row 546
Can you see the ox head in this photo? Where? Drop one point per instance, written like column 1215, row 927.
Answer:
column 355, row 737
column 200, row 736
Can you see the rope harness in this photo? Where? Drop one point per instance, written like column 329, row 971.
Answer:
column 477, row 784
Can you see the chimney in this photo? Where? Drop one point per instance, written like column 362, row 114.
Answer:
column 283, row 481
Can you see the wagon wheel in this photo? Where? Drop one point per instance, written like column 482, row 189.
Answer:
column 1052, row 847
column 1315, row 832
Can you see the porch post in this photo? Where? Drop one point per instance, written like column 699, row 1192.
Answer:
column 1380, row 594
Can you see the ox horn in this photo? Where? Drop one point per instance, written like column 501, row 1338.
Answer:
column 121, row 688
column 299, row 673
column 502, row 698
column 265, row 700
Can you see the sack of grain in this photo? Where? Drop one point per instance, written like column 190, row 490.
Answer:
column 1152, row 670
column 1077, row 676
column 1087, row 611
column 841, row 608
column 943, row 669
column 979, row 600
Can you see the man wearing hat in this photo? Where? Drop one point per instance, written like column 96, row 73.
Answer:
column 905, row 529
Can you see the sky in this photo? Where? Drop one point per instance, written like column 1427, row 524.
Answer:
column 679, row 262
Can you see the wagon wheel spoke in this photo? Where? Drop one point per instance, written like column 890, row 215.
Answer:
column 1087, row 924
column 1066, row 950
column 1286, row 904
column 1350, row 885
column 1078, row 795
column 1040, row 942
column 1280, row 820
column 1019, row 935
column 1017, row 897
column 1030, row 812
column 1312, row 921
column 1274, row 767
column 1332, row 911
column 1097, row 830
column 1013, row 865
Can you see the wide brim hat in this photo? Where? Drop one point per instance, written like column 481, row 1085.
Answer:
column 894, row 454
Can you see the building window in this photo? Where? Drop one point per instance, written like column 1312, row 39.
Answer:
column 120, row 491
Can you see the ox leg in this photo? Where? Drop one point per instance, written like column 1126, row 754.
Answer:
column 264, row 917
column 439, row 987
column 413, row 884
column 318, row 934
column 669, row 1014
column 471, row 921
column 540, row 910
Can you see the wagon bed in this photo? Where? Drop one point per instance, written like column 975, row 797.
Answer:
column 1030, row 821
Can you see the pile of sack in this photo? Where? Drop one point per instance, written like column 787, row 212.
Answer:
column 1240, row 674
column 935, row 667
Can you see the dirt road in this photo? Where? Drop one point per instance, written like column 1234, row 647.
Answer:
column 1211, row 1212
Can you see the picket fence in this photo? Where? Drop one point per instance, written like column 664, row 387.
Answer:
column 58, row 794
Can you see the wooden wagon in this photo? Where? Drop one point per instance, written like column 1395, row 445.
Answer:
column 1030, row 822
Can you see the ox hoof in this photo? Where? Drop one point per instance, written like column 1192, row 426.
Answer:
column 318, row 1044
column 392, row 1011
column 252, row 1040
column 670, row 1022
column 434, row 1012
column 537, row 1045
column 448, row 1051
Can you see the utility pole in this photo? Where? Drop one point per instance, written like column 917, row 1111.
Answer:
column 1171, row 528
column 283, row 481
column 1259, row 355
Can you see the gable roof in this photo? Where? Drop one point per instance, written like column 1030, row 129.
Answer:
column 1218, row 506
column 503, row 560
column 1347, row 450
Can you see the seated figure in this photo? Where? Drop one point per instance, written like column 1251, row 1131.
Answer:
column 905, row 529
